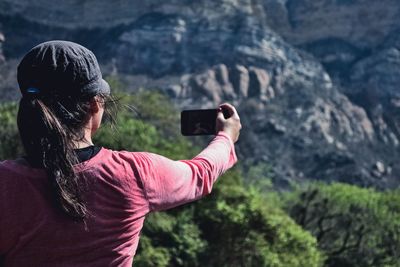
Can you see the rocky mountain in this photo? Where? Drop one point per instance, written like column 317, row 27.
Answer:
column 315, row 81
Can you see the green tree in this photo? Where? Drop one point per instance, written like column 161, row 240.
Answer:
column 243, row 229
column 234, row 226
column 146, row 121
column 10, row 143
column 355, row 227
column 176, row 235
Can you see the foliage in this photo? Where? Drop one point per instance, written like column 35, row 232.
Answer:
column 354, row 226
column 243, row 229
column 10, row 143
column 175, row 234
column 232, row 227
column 153, row 256
column 147, row 130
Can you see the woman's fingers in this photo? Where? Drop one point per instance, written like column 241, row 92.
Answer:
column 230, row 109
column 228, row 121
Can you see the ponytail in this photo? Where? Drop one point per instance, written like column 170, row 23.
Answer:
column 47, row 129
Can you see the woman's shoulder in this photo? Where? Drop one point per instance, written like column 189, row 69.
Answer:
column 107, row 156
column 128, row 156
column 17, row 166
column 14, row 174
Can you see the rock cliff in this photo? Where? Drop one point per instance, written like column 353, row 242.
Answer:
column 315, row 81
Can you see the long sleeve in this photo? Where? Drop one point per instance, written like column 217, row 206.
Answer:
column 169, row 183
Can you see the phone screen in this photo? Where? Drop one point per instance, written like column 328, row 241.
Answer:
column 198, row 122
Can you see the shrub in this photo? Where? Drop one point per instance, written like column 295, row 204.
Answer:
column 354, row 226
column 10, row 143
column 243, row 229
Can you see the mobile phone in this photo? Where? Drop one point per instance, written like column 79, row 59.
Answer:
column 199, row 122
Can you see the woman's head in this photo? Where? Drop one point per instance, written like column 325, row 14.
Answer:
column 61, row 68
column 66, row 78
column 63, row 95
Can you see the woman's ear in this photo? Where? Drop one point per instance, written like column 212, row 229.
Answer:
column 95, row 105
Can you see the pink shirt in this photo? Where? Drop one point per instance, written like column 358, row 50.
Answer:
column 122, row 188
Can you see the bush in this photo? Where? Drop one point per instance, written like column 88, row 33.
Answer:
column 354, row 226
column 243, row 229
column 176, row 235
column 10, row 143
column 146, row 121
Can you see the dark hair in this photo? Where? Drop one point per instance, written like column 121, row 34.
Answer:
column 48, row 127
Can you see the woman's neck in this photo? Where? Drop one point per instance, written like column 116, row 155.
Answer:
column 87, row 138
column 83, row 144
column 92, row 125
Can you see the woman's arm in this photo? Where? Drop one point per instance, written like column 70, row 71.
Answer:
column 169, row 183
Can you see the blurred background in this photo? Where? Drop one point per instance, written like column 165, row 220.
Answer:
column 315, row 83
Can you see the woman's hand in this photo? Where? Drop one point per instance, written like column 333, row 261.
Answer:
column 229, row 124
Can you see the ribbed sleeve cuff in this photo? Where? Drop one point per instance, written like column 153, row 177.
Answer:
column 233, row 157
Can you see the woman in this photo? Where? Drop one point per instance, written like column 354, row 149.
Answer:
column 71, row 203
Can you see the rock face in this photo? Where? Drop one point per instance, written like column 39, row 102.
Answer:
column 357, row 42
column 315, row 81
column 361, row 23
column 374, row 85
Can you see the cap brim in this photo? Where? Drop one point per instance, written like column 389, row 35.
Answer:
column 105, row 87
column 96, row 87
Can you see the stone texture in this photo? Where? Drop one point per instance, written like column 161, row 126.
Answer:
column 374, row 84
column 214, row 84
column 240, row 80
column 260, row 84
column 362, row 23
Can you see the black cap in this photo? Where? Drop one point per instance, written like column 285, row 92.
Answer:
column 61, row 68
